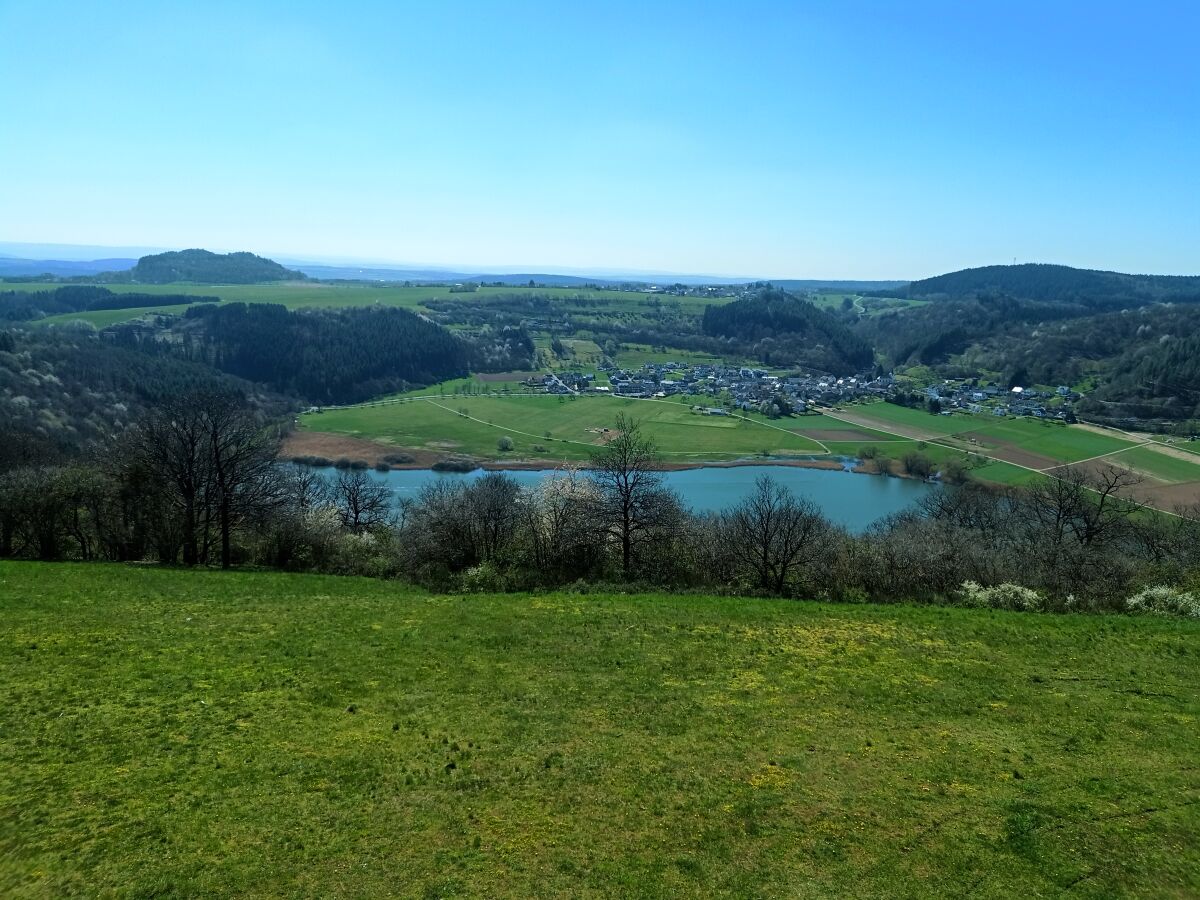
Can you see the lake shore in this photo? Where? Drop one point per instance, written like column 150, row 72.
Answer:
column 376, row 455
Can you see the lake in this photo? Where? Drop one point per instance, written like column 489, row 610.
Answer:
column 852, row 500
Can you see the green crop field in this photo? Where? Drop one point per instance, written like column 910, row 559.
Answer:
column 890, row 413
column 1050, row 439
column 1158, row 465
column 573, row 425
column 1053, row 441
column 634, row 356
column 1179, row 444
column 1004, row 473
column 101, row 318
column 314, row 295
column 173, row 733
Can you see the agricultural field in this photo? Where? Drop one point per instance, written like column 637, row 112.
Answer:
column 1027, row 442
column 889, row 415
column 634, row 356
column 1179, row 444
column 559, row 428
column 868, row 306
column 264, row 734
column 102, row 318
column 1157, row 464
column 314, row 295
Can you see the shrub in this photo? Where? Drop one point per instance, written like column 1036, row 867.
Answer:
column 381, row 466
column 455, row 464
column 319, row 461
column 1001, row 596
column 954, row 471
column 484, row 578
column 1164, row 601
column 917, row 465
column 398, row 459
column 505, row 444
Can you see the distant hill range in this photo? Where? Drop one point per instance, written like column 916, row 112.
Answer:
column 204, row 267
column 387, row 274
column 1055, row 284
column 17, row 267
column 61, row 262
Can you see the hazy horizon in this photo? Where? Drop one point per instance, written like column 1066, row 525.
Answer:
column 878, row 142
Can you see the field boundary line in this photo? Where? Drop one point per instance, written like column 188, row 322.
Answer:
column 1048, row 473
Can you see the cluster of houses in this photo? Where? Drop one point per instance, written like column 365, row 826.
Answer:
column 747, row 387
column 969, row 395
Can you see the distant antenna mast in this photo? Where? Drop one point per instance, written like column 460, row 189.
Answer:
column 1014, row 260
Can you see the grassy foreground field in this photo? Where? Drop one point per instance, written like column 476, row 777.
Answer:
column 176, row 733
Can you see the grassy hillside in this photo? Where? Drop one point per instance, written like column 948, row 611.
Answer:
column 167, row 732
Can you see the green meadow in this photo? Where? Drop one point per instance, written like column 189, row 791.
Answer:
column 1055, row 441
column 892, row 414
column 1158, row 465
column 550, row 427
column 314, row 295
column 174, row 733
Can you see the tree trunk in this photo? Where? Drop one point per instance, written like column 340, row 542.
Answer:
column 190, row 556
column 226, row 555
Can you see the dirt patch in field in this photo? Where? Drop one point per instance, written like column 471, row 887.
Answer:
column 1171, row 497
column 837, row 435
column 507, row 376
column 337, row 446
column 1006, row 451
column 603, row 435
column 1150, row 491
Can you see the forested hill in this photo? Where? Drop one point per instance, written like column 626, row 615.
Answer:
column 1058, row 284
column 17, row 306
column 205, row 267
column 326, row 356
column 781, row 329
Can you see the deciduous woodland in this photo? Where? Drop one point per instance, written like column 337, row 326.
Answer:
column 195, row 482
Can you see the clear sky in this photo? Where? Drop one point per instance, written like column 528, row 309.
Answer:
column 825, row 139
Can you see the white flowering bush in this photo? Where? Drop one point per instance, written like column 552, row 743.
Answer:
column 1164, row 601
column 484, row 578
column 1000, row 596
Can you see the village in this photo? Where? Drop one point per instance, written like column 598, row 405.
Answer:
column 746, row 388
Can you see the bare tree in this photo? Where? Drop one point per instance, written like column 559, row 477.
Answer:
column 241, row 462
column 493, row 502
column 774, row 533
column 214, row 462
column 172, row 445
column 1086, row 507
column 630, row 498
column 361, row 502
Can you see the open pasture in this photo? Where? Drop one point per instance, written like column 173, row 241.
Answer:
column 548, row 427
column 176, row 733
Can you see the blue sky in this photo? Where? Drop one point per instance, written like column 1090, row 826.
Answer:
column 863, row 140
